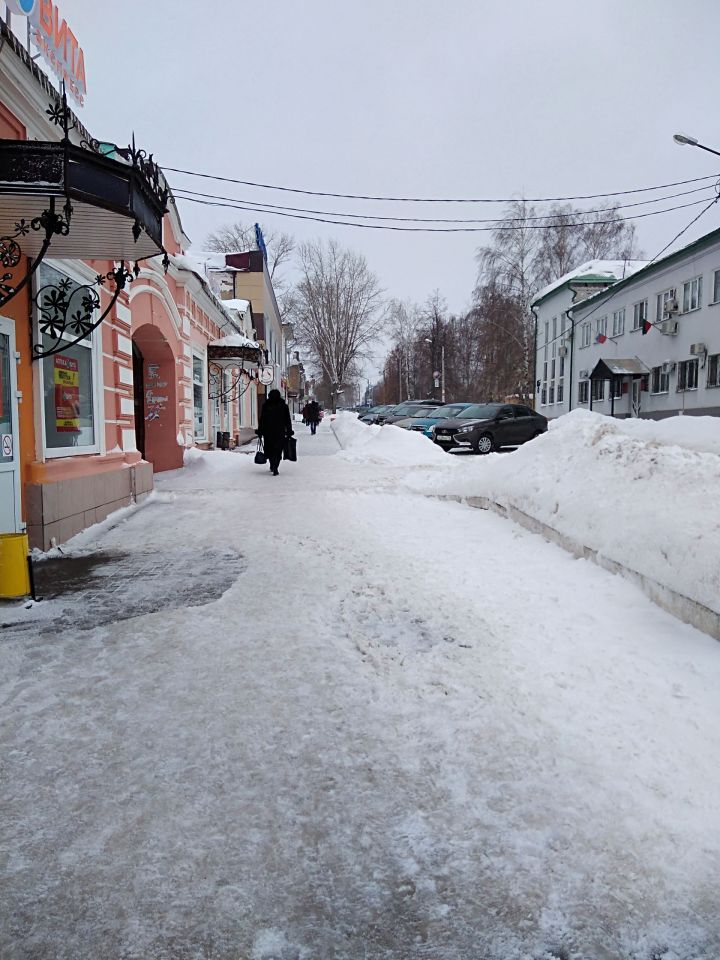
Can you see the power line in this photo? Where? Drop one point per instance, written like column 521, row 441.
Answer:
column 556, row 217
column 356, row 196
column 258, row 208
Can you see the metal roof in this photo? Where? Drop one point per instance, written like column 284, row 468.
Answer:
column 632, row 367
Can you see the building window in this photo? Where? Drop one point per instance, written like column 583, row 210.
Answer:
column 616, row 388
column 618, row 327
column 640, row 314
column 713, row 370
column 585, row 334
column 199, row 425
column 560, row 390
column 692, row 295
column 601, row 327
column 552, row 368
column 543, row 395
column 716, row 286
column 664, row 301
column 68, row 382
column 687, row 378
column 659, row 381
column 598, row 390
column 547, row 330
column 583, row 391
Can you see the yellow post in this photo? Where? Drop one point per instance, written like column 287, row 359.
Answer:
column 14, row 573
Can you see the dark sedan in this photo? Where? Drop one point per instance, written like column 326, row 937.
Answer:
column 443, row 433
column 500, row 425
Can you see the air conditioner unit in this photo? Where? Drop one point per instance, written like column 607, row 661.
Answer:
column 562, row 351
column 697, row 349
column 671, row 306
column 584, row 374
column 669, row 328
column 668, row 366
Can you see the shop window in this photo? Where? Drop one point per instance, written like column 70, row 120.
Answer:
column 68, row 382
column 199, row 425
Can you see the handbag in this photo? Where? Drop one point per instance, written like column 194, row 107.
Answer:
column 260, row 456
column 290, row 449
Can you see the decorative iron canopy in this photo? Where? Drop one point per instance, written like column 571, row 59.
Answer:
column 223, row 355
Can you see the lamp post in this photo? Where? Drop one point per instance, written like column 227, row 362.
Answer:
column 431, row 341
column 684, row 140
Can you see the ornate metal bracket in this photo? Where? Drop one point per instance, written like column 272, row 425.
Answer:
column 67, row 310
column 52, row 223
column 230, row 393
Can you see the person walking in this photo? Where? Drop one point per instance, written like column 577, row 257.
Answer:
column 312, row 415
column 275, row 427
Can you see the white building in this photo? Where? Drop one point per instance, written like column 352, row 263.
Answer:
column 644, row 344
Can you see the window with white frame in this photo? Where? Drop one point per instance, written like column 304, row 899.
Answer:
column 659, row 381
column 618, row 326
column 543, row 395
column 560, row 390
column 664, row 300
column 692, row 294
column 585, row 331
column 616, row 388
column 687, row 375
column 199, row 425
column 551, row 392
column 68, row 378
column 716, row 286
column 601, row 327
column 583, row 391
column 598, row 390
column 713, row 370
column 639, row 314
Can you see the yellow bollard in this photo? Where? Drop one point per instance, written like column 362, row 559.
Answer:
column 14, row 567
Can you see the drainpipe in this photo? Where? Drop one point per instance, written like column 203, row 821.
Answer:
column 534, row 382
column 572, row 355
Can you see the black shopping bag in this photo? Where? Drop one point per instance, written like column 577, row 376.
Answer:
column 260, row 453
column 290, row 449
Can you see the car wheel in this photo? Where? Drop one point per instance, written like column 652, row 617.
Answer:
column 484, row 444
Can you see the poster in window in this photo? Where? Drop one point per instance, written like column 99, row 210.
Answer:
column 67, row 394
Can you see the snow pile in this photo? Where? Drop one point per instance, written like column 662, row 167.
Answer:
column 623, row 487
column 366, row 443
column 234, row 340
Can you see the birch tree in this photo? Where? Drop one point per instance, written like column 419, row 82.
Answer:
column 337, row 309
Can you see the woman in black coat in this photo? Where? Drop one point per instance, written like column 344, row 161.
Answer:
column 275, row 427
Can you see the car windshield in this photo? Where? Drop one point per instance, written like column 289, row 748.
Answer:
column 404, row 410
column 451, row 411
column 423, row 412
column 480, row 411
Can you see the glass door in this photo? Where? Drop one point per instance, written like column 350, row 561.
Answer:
column 10, row 520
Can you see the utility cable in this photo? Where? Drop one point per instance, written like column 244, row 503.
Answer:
column 356, row 196
column 550, row 219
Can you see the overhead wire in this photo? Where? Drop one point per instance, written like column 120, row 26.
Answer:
column 357, row 196
column 546, row 217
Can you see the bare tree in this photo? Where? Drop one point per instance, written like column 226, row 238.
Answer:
column 239, row 236
column 337, row 309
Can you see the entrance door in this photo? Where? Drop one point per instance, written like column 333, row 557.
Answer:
column 10, row 519
column 636, row 398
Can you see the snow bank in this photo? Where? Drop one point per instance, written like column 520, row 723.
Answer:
column 642, row 493
column 367, row 443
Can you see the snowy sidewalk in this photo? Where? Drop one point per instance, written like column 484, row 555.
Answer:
column 392, row 735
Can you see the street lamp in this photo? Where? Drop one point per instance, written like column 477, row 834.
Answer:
column 684, row 140
column 442, row 366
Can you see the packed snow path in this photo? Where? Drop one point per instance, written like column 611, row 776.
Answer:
column 408, row 729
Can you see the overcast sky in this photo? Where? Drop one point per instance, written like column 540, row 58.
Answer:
column 465, row 98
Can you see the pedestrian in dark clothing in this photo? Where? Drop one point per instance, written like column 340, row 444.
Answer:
column 275, row 427
column 312, row 415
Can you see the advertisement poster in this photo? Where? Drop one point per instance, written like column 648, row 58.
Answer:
column 67, row 394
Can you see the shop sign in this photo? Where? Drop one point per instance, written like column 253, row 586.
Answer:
column 56, row 42
column 67, row 394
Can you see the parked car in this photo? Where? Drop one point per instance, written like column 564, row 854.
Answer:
column 403, row 410
column 503, row 425
column 443, row 433
column 425, row 424
column 419, row 413
column 374, row 412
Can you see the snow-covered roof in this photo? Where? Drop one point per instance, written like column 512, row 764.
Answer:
column 235, row 340
column 594, row 271
column 236, row 304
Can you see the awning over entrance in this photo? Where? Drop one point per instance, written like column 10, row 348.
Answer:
column 610, row 369
column 234, row 350
column 112, row 210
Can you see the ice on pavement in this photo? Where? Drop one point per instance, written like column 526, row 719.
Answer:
column 408, row 730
